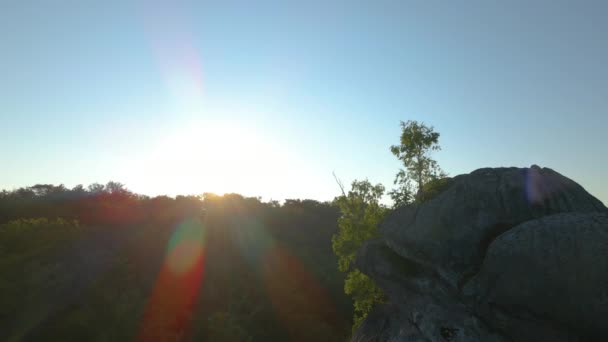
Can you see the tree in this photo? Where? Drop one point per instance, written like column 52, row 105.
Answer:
column 416, row 143
column 96, row 188
column 361, row 213
column 116, row 188
column 78, row 190
column 404, row 193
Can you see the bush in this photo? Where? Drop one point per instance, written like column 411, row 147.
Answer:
column 434, row 187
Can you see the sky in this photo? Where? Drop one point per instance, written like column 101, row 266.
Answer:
column 269, row 98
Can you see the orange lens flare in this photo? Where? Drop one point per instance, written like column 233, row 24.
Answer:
column 168, row 313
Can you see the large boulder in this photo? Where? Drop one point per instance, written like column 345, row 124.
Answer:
column 452, row 231
column 554, row 268
column 502, row 254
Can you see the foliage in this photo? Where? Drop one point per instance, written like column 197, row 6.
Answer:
column 365, row 293
column 361, row 212
column 404, row 194
column 40, row 234
column 110, row 204
column 416, row 143
column 269, row 270
column 434, row 187
column 223, row 326
column 29, row 253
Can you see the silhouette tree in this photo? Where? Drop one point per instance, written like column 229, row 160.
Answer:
column 115, row 188
column 96, row 188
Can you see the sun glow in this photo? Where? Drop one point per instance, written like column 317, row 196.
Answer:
column 206, row 147
column 213, row 157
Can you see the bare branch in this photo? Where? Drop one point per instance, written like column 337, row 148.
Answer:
column 339, row 183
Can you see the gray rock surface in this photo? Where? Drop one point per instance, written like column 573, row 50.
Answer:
column 554, row 268
column 504, row 254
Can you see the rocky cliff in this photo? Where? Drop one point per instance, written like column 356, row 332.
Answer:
column 503, row 254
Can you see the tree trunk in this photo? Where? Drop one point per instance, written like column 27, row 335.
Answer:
column 419, row 176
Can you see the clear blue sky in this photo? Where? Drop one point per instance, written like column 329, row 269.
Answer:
column 268, row 98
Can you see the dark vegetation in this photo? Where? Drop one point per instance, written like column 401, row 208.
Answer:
column 104, row 264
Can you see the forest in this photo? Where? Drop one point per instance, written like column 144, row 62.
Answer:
column 102, row 263
column 258, row 171
column 105, row 264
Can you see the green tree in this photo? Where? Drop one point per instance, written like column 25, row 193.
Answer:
column 361, row 213
column 416, row 144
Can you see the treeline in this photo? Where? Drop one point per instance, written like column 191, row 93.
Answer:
column 104, row 264
column 121, row 266
column 97, row 204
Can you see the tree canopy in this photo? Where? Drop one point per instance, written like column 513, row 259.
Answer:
column 416, row 143
column 361, row 212
column 74, row 262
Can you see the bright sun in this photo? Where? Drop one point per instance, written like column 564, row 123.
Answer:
column 211, row 157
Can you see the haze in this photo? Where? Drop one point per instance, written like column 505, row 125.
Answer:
column 269, row 98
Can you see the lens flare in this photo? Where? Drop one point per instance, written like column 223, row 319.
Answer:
column 540, row 186
column 169, row 310
column 534, row 186
column 185, row 247
column 292, row 289
column 295, row 293
column 252, row 241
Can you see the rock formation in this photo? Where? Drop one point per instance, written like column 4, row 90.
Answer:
column 503, row 254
